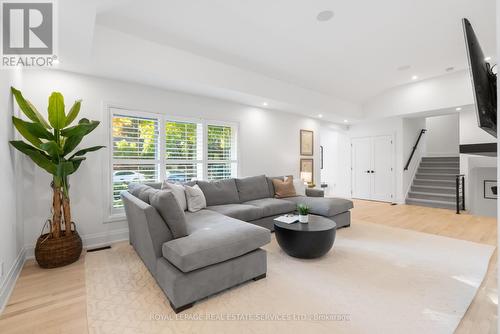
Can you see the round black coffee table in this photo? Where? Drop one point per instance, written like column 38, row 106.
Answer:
column 306, row 241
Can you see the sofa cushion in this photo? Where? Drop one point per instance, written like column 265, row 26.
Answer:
column 146, row 193
column 195, row 199
column 213, row 238
column 169, row 209
column 179, row 193
column 323, row 206
column 136, row 188
column 220, row 192
column 283, row 189
column 270, row 185
column 254, row 187
column 273, row 206
column 239, row 211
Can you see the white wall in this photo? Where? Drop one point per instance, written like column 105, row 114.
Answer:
column 478, row 205
column 437, row 93
column 268, row 141
column 442, row 137
column 470, row 132
column 411, row 131
column 336, row 161
column 11, row 228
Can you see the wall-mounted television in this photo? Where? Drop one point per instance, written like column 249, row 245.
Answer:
column 484, row 82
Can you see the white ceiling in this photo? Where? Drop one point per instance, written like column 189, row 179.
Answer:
column 354, row 56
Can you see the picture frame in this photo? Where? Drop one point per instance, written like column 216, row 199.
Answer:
column 490, row 189
column 307, row 170
column 306, row 142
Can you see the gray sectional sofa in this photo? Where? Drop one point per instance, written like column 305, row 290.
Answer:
column 221, row 248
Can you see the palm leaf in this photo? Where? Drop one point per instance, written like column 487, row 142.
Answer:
column 71, row 143
column 52, row 148
column 85, row 150
column 24, row 105
column 57, row 118
column 24, row 130
column 73, row 112
column 82, row 129
column 41, row 119
column 38, row 157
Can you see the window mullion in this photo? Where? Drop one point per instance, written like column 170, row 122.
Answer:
column 162, row 148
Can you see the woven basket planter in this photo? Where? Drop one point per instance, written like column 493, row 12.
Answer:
column 58, row 252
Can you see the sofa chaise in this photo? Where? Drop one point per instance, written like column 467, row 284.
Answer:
column 222, row 246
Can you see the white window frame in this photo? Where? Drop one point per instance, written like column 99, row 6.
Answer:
column 234, row 144
column 168, row 118
column 115, row 215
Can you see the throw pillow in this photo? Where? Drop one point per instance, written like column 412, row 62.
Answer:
column 300, row 187
column 195, row 198
column 178, row 190
column 283, row 189
column 166, row 204
column 145, row 194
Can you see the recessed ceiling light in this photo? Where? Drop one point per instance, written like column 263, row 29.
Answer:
column 324, row 16
column 458, row 109
column 415, row 77
column 265, row 104
column 404, row 68
column 320, row 115
column 345, row 121
column 487, row 58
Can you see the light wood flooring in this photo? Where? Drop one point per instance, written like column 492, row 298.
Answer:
column 54, row 301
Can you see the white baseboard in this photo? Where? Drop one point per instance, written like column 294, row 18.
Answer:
column 12, row 276
column 94, row 240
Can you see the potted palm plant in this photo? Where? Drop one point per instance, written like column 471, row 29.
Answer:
column 51, row 144
column 303, row 213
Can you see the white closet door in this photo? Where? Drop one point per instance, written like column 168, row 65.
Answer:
column 361, row 166
column 382, row 171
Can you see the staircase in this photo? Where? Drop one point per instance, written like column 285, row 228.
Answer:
column 434, row 183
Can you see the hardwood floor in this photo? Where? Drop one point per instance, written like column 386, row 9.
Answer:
column 47, row 301
column 54, row 301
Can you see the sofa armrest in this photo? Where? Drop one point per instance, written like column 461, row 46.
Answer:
column 311, row 192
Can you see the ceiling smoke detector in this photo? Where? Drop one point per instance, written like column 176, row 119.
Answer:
column 325, row 15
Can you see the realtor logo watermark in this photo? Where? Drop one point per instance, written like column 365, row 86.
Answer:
column 28, row 33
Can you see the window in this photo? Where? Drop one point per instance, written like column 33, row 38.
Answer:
column 221, row 161
column 151, row 147
column 135, row 152
column 183, row 151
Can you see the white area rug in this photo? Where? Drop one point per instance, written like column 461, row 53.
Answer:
column 377, row 279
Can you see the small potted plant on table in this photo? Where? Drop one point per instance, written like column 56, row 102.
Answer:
column 303, row 213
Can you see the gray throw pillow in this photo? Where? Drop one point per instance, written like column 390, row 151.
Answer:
column 145, row 193
column 178, row 190
column 165, row 203
column 136, row 188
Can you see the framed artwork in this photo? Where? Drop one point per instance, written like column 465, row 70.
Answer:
column 307, row 170
column 306, row 142
column 490, row 189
